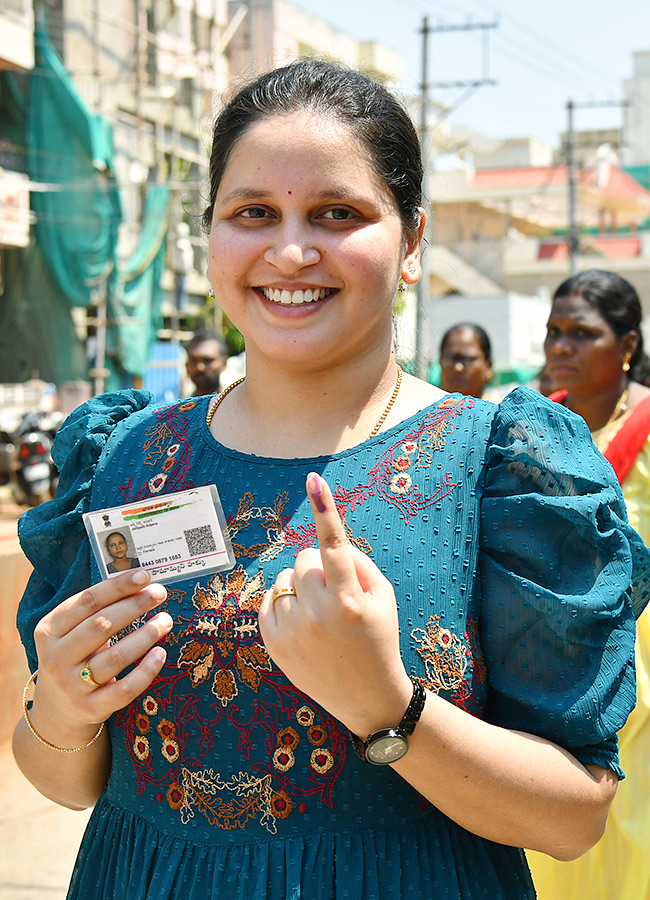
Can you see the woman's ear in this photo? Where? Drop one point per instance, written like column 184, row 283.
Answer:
column 411, row 266
column 629, row 344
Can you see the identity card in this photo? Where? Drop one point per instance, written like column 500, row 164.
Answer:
column 172, row 536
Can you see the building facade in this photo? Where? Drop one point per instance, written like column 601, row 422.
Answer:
column 16, row 55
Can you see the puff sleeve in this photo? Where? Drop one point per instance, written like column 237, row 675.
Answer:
column 53, row 536
column 562, row 576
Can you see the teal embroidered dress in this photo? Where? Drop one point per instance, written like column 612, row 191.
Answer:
column 504, row 534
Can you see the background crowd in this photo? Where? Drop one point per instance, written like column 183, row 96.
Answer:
column 596, row 366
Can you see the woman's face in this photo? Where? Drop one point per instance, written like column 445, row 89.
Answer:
column 306, row 246
column 583, row 354
column 117, row 546
column 463, row 366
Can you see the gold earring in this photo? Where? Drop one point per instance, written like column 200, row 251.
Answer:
column 626, row 364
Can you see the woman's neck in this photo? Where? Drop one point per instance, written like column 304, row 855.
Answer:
column 602, row 408
column 281, row 413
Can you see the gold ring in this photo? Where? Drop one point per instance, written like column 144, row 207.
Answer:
column 283, row 592
column 87, row 674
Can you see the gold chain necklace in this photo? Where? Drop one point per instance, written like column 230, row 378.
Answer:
column 389, row 405
column 210, row 414
column 209, row 417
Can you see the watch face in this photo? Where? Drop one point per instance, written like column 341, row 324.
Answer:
column 385, row 747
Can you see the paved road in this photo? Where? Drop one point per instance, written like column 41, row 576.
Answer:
column 38, row 839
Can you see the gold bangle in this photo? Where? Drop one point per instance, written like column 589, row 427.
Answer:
column 41, row 738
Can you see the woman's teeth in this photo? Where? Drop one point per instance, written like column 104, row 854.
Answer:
column 295, row 298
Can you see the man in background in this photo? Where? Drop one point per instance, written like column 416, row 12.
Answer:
column 206, row 359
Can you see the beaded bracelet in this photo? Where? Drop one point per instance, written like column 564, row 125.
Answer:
column 41, row 738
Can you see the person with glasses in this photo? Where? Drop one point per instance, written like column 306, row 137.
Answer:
column 465, row 360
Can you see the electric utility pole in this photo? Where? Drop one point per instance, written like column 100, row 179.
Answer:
column 422, row 287
column 573, row 236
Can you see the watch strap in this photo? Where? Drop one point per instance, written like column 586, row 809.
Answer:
column 413, row 710
column 406, row 726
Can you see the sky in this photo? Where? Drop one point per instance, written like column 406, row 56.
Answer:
column 541, row 54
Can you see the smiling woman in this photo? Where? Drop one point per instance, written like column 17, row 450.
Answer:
column 392, row 692
column 306, row 247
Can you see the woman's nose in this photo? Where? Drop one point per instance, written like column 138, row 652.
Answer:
column 291, row 249
column 561, row 344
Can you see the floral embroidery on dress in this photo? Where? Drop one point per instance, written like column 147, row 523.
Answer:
column 264, row 794
column 446, row 657
column 167, row 730
column 168, row 450
column 224, row 635
column 401, row 484
column 271, row 519
column 393, row 478
column 228, row 803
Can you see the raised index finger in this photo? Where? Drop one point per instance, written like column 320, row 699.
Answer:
column 335, row 551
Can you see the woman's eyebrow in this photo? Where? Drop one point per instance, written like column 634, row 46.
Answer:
column 244, row 194
column 251, row 193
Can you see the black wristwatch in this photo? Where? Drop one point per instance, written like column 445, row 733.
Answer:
column 381, row 748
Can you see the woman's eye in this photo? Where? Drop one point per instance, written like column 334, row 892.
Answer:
column 254, row 212
column 339, row 214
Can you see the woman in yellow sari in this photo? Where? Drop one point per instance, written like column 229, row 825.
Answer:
column 595, row 357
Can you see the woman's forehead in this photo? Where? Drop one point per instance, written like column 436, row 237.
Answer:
column 574, row 306
column 291, row 139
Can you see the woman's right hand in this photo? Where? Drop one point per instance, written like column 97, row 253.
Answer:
column 68, row 710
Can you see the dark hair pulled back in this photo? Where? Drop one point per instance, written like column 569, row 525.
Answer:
column 618, row 303
column 372, row 113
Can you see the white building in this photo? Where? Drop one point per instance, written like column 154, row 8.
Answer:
column 515, row 324
column 275, row 32
column 636, row 149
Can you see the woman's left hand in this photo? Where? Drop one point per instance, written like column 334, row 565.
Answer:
column 337, row 640
column 337, row 637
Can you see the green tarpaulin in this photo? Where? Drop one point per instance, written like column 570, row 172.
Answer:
column 37, row 336
column 134, row 307
column 73, row 261
column 70, row 154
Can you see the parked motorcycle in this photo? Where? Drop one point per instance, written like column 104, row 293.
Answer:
column 32, row 473
column 7, row 449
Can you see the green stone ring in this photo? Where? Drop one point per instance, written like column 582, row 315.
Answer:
column 87, row 674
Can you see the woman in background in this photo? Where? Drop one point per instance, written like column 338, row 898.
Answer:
column 465, row 360
column 595, row 358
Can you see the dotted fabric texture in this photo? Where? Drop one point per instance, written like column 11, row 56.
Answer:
column 517, row 578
